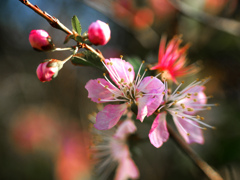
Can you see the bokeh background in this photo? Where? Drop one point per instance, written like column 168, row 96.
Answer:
column 44, row 126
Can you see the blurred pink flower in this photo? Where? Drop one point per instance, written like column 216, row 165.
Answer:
column 72, row 160
column 40, row 40
column 99, row 33
column 114, row 149
column 183, row 106
column 172, row 59
column 145, row 92
column 33, row 130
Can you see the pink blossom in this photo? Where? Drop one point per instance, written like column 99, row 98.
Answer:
column 114, row 149
column 40, row 40
column 146, row 93
column 172, row 59
column 99, row 33
column 183, row 106
column 46, row 70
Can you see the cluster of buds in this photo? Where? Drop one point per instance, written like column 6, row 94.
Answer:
column 98, row 34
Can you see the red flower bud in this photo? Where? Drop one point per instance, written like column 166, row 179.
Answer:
column 46, row 70
column 40, row 40
column 99, row 33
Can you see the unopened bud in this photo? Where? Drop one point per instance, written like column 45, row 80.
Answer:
column 40, row 40
column 47, row 70
column 99, row 33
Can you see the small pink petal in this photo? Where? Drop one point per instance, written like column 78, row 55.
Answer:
column 143, row 103
column 149, row 84
column 121, row 68
column 126, row 128
column 109, row 116
column 193, row 134
column 159, row 133
column 97, row 92
column 127, row 169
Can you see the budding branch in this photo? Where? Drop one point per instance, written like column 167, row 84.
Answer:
column 55, row 23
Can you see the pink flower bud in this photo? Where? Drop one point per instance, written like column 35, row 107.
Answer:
column 46, row 70
column 40, row 40
column 99, row 33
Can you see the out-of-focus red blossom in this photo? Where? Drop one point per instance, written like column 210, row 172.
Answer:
column 143, row 18
column 46, row 70
column 162, row 8
column 40, row 40
column 72, row 160
column 122, row 8
column 34, row 130
column 216, row 6
column 172, row 59
column 99, row 33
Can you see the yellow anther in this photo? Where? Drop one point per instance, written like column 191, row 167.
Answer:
column 198, row 117
column 143, row 61
column 183, row 106
column 111, row 63
column 217, row 104
column 151, row 77
column 121, row 56
column 106, row 86
column 195, row 94
column 122, row 80
column 139, row 75
column 182, row 82
column 158, row 110
column 195, row 100
column 130, row 69
column 176, row 113
column 189, row 94
column 108, row 63
column 197, row 79
column 163, row 92
column 99, row 82
column 178, row 92
column 183, row 117
column 99, row 99
column 104, row 74
column 208, row 108
column 211, row 96
column 145, row 70
column 188, row 134
column 204, row 128
column 113, row 95
column 202, row 118
column 190, row 109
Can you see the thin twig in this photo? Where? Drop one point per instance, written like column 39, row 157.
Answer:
column 223, row 24
column 55, row 23
column 203, row 166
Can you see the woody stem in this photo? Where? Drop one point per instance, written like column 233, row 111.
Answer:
column 200, row 163
column 55, row 23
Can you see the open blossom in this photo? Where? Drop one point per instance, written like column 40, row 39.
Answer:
column 146, row 93
column 40, row 40
column 46, row 70
column 183, row 106
column 114, row 151
column 99, row 33
column 172, row 60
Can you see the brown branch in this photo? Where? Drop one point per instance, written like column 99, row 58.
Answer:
column 203, row 166
column 55, row 23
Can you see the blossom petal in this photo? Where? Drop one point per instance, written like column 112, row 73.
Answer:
column 149, row 84
column 96, row 91
column 192, row 133
column 120, row 69
column 159, row 133
column 143, row 103
column 109, row 116
column 152, row 89
column 126, row 128
column 127, row 169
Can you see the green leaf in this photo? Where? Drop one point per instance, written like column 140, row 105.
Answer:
column 68, row 37
column 79, row 39
column 76, row 25
column 87, row 58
